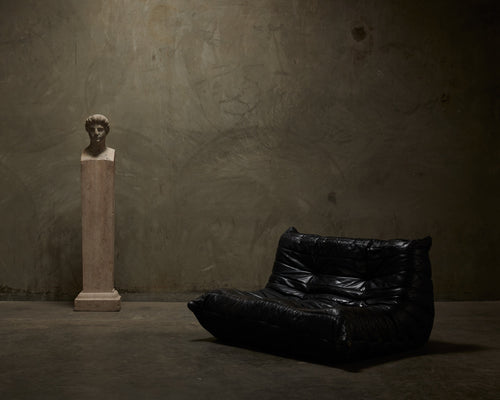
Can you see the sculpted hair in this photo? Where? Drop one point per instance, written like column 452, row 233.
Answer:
column 97, row 119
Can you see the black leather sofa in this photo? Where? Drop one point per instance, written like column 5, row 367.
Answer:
column 336, row 298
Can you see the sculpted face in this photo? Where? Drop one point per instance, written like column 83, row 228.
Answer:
column 97, row 126
column 97, row 133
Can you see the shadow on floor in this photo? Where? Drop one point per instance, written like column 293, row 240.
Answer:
column 430, row 348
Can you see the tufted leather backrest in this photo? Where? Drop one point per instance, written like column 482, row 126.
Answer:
column 354, row 272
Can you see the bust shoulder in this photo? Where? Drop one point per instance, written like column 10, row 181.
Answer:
column 106, row 155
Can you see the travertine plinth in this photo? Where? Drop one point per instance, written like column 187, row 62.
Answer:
column 93, row 301
column 98, row 233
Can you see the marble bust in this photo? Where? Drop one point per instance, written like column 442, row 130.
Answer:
column 98, row 220
column 97, row 127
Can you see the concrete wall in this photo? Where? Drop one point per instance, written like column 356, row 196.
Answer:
column 233, row 120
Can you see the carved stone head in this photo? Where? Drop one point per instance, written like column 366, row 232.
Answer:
column 97, row 126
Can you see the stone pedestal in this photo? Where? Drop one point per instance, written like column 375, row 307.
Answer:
column 98, row 233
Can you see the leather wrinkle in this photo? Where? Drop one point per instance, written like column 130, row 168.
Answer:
column 349, row 297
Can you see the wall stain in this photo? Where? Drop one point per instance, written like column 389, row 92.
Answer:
column 445, row 98
column 332, row 197
column 358, row 33
column 363, row 42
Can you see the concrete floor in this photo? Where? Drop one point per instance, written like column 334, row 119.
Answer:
column 159, row 351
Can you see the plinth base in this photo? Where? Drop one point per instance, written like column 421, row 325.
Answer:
column 102, row 301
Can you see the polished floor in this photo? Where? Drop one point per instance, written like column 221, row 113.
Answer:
column 159, row 351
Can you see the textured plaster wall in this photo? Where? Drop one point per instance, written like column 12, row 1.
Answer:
column 233, row 120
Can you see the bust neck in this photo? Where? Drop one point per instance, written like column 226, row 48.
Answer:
column 94, row 149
